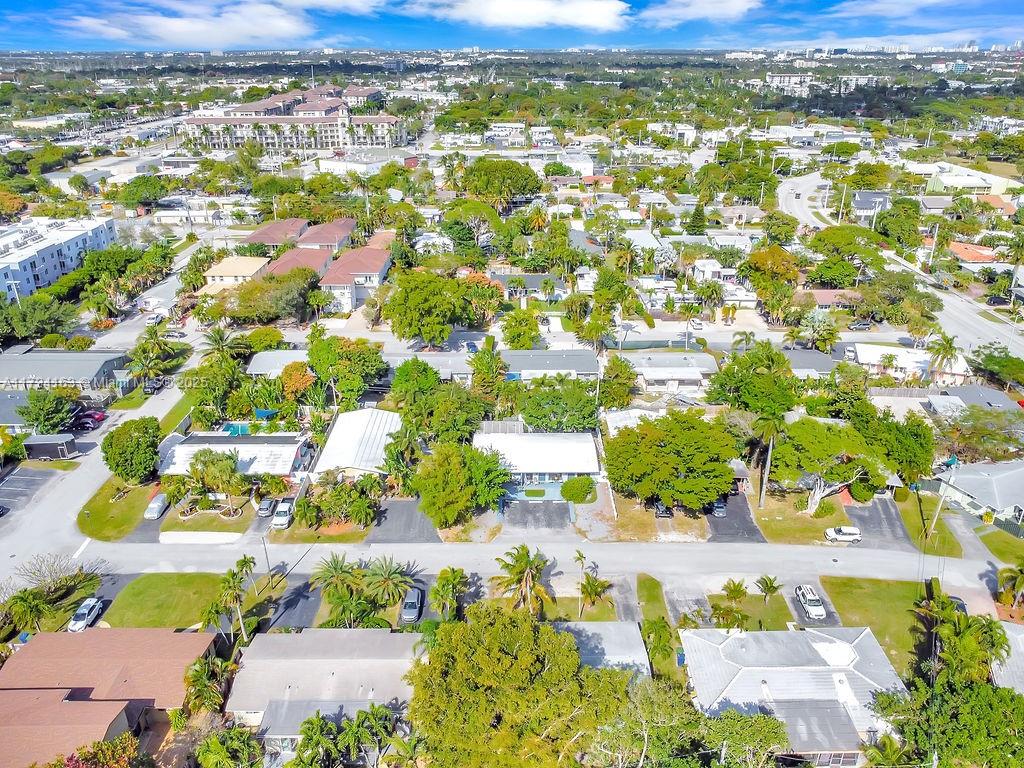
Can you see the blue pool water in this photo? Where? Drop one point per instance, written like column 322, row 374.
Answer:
column 236, row 429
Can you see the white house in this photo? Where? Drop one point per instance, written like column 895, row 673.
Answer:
column 356, row 442
column 904, row 363
column 672, row 372
column 996, row 488
column 542, row 457
column 354, row 276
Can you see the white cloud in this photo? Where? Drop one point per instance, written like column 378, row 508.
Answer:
column 671, row 13
column 594, row 15
column 353, row 7
column 890, row 9
column 916, row 41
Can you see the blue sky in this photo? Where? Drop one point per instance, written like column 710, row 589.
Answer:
column 235, row 24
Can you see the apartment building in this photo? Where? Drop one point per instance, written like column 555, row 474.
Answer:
column 36, row 252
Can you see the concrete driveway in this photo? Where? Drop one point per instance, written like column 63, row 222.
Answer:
column 832, row 616
column 738, row 524
column 18, row 488
column 881, row 524
column 401, row 522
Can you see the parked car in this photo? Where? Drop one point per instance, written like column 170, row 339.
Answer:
column 266, row 507
column 152, row 386
column 810, row 603
column 660, row 509
column 958, row 604
column 83, row 425
column 156, row 508
column 412, row 606
column 95, row 415
column 844, row 533
column 797, row 195
column 174, row 334
column 861, row 325
column 283, row 514
column 4, row 510
column 86, row 614
column 155, row 319
column 997, row 301
column 718, row 508
column 697, row 324
column 472, row 348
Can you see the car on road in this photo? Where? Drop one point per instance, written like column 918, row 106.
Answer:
column 94, row 415
column 266, row 507
column 83, row 425
column 4, row 510
column 797, row 195
column 810, row 603
column 412, row 606
column 660, row 509
column 283, row 514
column 156, row 508
column 86, row 614
column 152, row 386
column 844, row 533
column 175, row 334
column 997, row 301
column 861, row 325
column 718, row 508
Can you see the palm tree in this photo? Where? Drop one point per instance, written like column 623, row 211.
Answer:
column 352, row 735
column 1015, row 252
column 377, row 723
column 444, row 596
column 687, row 312
column 336, row 577
column 657, row 636
column 547, row 288
column 204, row 684
column 318, row 742
column 1012, row 578
column 581, row 560
column 214, row 753
column 318, row 300
column 218, row 344
column 403, row 753
column 516, row 286
column 710, row 293
column 153, row 338
column 769, row 586
column 593, row 590
column 734, row 591
column 146, row 364
column 245, row 566
column 887, row 752
column 386, row 581
column 767, row 427
column 232, row 595
column 944, row 352
column 744, row 339
column 537, row 218
column 28, row 608
column 728, row 616
column 793, row 336
column 522, row 578
column 212, row 616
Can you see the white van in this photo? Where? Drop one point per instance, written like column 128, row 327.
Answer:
column 156, row 507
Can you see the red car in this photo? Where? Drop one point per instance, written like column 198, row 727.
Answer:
column 94, row 415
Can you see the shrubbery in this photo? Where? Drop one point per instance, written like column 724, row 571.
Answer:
column 578, row 490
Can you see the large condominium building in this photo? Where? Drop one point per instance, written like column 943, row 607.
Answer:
column 36, row 252
column 319, row 118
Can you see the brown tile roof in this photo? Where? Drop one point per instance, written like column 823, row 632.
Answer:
column 278, row 232
column 320, row 105
column 358, row 261
column 382, row 238
column 360, row 90
column 332, row 233
column 316, row 259
column 266, row 120
column 37, row 726
column 140, row 665
column 999, row 203
column 972, row 254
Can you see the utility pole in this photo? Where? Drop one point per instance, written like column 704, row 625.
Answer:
column 942, row 496
column 842, row 204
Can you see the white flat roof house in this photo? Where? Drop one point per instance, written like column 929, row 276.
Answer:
column 356, row 442
column 537, row 457
column 820, row 683
column 609, row 644
column 683, row 372
column 272, row 454
column 907, row 363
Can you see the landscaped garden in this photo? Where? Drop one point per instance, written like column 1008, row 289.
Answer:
column 115, row 509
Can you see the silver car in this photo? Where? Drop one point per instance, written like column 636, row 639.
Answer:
column 86, row 614
column 810, row 603
column 156, row 508
column 412, row 606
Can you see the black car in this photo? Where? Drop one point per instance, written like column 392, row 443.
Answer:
column 660, row 509
column 83, row 425
column 152, row 386
column 997, row 301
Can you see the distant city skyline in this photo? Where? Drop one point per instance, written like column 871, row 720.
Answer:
column 204, row 25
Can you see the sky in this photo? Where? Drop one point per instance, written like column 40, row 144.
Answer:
column 203, row 25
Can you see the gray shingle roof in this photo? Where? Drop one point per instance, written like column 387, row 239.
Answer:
column 974, row 394
column 19, row 366
column 609, row 644
column 997, row 485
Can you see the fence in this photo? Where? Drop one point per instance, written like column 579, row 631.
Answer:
column 1014, row 529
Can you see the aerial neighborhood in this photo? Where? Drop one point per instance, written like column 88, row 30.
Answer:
column 494, row 408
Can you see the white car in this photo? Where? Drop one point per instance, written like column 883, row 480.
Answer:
column 283, row 514
column 810, row 603
column 845, row 533
column 86, row 614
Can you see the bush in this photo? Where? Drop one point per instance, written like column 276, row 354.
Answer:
column 901, row 494
column 862, row 492
column 701, row 342
column 80, row 343
column 648, row 320
column 534, row 493
column 52, row 341
column 826, row 508
column 578, row 490
column 800, row 505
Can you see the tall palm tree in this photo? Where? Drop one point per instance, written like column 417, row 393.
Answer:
column 219, row 344
column 377, row 723
column 944, row 352
column 335, row 576
column 767, row 427
column 213, row 616
column 146, row 364
column 1012, row 578
column 153, row 338
column 204, row 684
column 887, row 752
column 687, row 312
column 537, row 218
column 318, row 742
column 521, row 578
column 386, row 581
column 232, row 595
column 744, row 339
column 28, row 608
column 245, row 566
column 444, row 596
column 581, row 560
column 404, row 753
column 593, row 590
column 1015, row 253
column 769, row 586
column 547, row 288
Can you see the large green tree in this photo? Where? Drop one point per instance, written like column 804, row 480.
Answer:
column 560, row 404
column 46, row 411
column 130, row 449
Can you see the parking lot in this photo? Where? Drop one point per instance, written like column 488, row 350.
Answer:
column 881, row 524
column 18, row 488
column 738, row 524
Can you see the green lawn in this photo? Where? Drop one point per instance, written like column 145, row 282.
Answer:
column 885, row 606
column 781, row 523
column 652, row 606
column 107, row 520
column 917, row 512
column 62, row 465
column 64, row 609
column 774, row 614
column 211, row 521
column 178, row 412
column 164, row 600
column 1003, row 545
column 129, row 402
column 297, row 534
column 566, row 608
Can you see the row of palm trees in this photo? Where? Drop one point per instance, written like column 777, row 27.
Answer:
column 369, row 736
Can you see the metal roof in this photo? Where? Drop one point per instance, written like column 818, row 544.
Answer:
column 20, row 367
column 565, row 452
column 272, row 454
column 357, row 440
column 570, row 360
column 609, row 644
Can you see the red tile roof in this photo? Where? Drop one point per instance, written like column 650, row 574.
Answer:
column 278, row 232
column 332, row 233
column 358, row 261
column 316, row 259
column 382, row 238
column 973, row 254
column 998, row 203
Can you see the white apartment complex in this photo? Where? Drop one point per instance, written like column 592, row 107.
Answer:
column 320, row 118
column 36, row 252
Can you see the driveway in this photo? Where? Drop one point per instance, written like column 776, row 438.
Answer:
column 881, row 524
column 537, row 514
column 18, row 488
column 738, row 524
column 298, row 606
column 682, row 599
column 832, row 616
column 147, row 531
column 401, row 522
